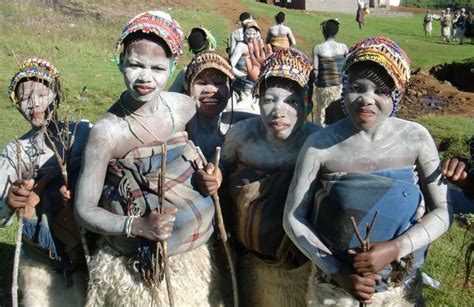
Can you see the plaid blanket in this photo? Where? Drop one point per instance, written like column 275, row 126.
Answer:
column 132, row 189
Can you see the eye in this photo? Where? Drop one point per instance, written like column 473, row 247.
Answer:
column 158, row 68
column 354, row 88
column 267, row 99
column 382, row 92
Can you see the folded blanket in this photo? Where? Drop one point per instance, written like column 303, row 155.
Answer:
column 279, row 41
column 340, row 196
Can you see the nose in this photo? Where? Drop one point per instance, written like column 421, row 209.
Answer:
column 210, row 88
column 277, row 111
column 366, row 100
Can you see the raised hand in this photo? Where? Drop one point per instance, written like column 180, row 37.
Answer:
column 258, row 52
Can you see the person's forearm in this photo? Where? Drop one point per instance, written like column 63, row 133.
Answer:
column 433, row 224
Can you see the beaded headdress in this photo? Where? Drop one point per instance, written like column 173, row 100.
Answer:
column 288, row 63
column 204, row 60
column 36, row 69
column 385, row 53
column 158, row 23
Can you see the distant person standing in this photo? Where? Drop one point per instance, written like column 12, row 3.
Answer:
column 428, row 23
column 328, row 60
column 238, row 35
column 461, row 26
column 469, row 30
column 454, row 26
column 446, row 23
column 360, row 14
column 280, row 36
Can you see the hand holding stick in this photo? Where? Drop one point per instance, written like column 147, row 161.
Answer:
column 220, row 224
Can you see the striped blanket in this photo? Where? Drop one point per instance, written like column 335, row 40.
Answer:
column 330, row 69
column 132, row 189
column 259, row 199
column 393, row 192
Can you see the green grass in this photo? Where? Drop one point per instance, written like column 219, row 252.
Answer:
column 82, row 49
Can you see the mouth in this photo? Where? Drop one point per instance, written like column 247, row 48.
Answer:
column 143, row 89
column 209, row 101
column 278, row 126
column 365, row 112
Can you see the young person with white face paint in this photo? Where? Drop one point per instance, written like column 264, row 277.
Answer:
column 258, row 162
column 143, row 125
column 237, row 35
column 51, row 248
column 208, row 83
column 242, row 85
column 362, row 164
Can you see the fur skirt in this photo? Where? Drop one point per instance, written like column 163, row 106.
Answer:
column 194, row 281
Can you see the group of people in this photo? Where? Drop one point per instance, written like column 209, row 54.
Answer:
column 136, row 213
column 453, row 27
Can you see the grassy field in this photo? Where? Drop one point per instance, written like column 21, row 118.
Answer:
column 82, row 49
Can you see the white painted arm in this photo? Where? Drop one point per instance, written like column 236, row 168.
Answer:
column 298, row 204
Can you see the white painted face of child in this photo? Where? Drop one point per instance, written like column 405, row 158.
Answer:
column 211, row 92
column 366, row 103
column 145, row 70
column 281, row 110
column 34, row 98
column 251, row 33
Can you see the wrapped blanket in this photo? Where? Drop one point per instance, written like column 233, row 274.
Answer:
column 259, row 199
column 393, row 192
column 132, row 189
column 279, row 41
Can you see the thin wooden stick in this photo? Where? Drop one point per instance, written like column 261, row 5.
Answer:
column 16, row 260
column 164, row 243
column 221, row 226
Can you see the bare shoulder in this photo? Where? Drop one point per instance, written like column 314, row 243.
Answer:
column 410, row 130
column 179, row 104
column 244, row 127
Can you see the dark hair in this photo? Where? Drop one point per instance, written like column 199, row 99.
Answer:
column 197, row 39
column 374, row 72
column 330, row 28
column 280, row 17
column 139, row 36
column 244, row 16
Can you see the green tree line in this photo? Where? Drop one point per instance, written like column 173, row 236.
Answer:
column 453, row 4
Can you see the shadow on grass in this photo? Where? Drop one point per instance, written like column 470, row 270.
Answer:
column 6, row 265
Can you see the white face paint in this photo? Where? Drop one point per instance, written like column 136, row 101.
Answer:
column 251, row 33
column 145, row 70
column 281, row 111
column 211, row 92
column 367, row 104
column 34, row 98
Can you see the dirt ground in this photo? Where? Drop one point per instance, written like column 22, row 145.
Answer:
column 426, row 94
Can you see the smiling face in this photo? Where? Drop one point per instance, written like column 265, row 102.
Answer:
column 34, row 99
column 146, row 69
column 281, row 108
column 211, row 92
column 368, row 100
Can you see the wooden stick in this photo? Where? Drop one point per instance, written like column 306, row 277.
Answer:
column 164, row 244
column 221, row 226
column 16, row 260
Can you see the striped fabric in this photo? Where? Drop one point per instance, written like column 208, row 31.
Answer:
column 330, row 71
column 132, row 189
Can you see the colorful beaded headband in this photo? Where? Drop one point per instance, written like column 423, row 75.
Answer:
column 288, row 63
column 158, row 23
column 384, row 52
column 36, row 69
column 204, row 60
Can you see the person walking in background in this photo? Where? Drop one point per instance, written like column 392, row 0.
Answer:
column 279, row 35
column 360, row 13
column 428, row 23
